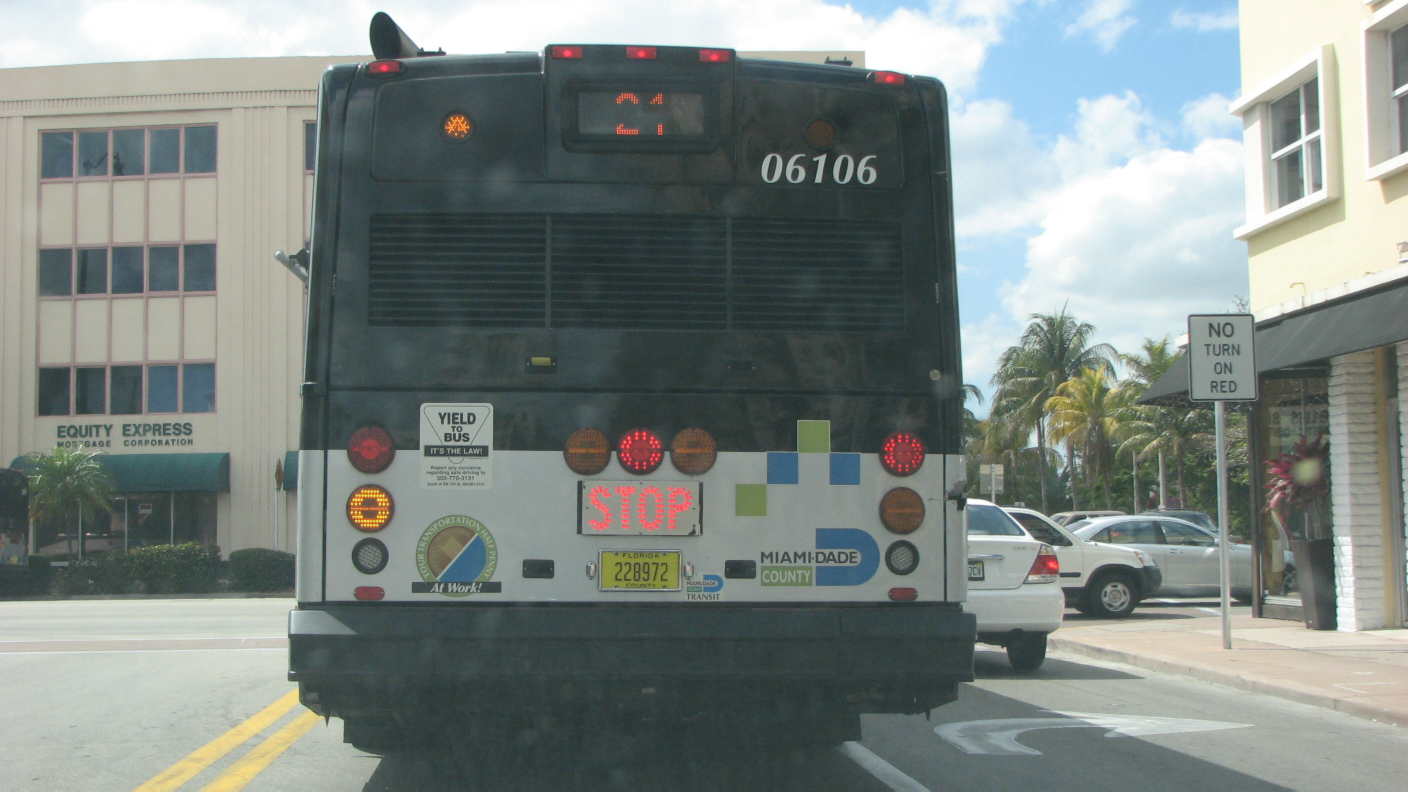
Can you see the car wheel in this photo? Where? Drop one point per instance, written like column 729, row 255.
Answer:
column 1026, row 651
column 1112, row 594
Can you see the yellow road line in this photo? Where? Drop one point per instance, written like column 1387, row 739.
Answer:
column 208, row 754
column 253, row 763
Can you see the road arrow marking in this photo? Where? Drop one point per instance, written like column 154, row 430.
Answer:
column 999, row 737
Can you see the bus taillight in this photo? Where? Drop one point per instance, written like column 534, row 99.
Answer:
column 693, row 451
column 382, row 68
column 887, row 78
column 902, row 453
column 565, row 52
column 715, row 55
column 902, row 510
column 371, row 449
column 640, row 53
column 369, row 508
column 640, row 451
column 586, row 452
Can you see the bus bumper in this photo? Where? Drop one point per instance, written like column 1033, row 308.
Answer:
column 371, row 661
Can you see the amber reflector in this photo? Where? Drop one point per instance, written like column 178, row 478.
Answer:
column 902, row 510
column 370, row 508
column 587, row 452
column 693, row 451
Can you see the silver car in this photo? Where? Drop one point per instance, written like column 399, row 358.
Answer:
column 1186, row 553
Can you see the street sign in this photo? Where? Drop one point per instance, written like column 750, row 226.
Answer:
column 1221, row 361
column 991, row 477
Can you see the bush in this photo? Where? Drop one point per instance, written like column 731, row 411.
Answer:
column 259, row 569
column 26, row 581
column 170, row 569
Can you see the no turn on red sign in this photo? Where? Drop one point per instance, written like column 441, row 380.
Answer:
column 1221, row 358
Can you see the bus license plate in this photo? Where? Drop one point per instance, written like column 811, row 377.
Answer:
column 639, row 570
column 975, row 570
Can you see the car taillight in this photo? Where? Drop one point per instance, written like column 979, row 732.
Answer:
column 1046, row 568
column 693, row 451
column 640, row 451
column 370, row 449
column 587, row 452
column 902, row 453
column 369, row 508
column 902, row 510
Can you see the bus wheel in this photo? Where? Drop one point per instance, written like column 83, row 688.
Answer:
column 372, row 736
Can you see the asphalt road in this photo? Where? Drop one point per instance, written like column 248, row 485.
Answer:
column 190, row 694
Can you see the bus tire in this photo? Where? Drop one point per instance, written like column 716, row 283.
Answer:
column 1026, row 651
column 372, row 736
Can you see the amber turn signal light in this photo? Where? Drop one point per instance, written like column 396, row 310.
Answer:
column 902, row 510
column 693, row 451
column 587, row 452
column 369, row 508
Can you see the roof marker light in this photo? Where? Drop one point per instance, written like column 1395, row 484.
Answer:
column 382, row 68
column 715, row 55
column 640, row 53
column 887, row 78
column 565, row 52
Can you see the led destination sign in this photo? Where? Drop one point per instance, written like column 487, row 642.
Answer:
column 637, row 113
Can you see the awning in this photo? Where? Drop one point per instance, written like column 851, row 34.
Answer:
column 163, row 472
column 1364, row 320
column 290, row 471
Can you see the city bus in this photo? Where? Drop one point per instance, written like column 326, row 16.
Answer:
column 632, row 396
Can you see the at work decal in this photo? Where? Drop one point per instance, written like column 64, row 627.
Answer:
column 842, row 557
column 456, row 556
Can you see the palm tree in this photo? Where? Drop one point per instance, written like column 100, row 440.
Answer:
column 1088, row 413
column 64, row 482
column 1151, row 362
column 1176, row 430
column 1053, row 349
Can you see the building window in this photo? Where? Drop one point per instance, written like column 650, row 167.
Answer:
column 93, row 153
column 56, row 155
column 126, row 390
column 104, row 153
column 93, row 271
column 56, row 273
column 161, row 389
column 128, row 270
column 1290, row 137
column 1386, row 89
column 310, row 145
column 129, row 152
column 117, row 390
column 200, row 149
column 1399, row 49
column 166, row 150
column 164, row 269
column 91, row 391
column 198, row 388
column 1295, row 144
column 54, row 391
column 199, row 269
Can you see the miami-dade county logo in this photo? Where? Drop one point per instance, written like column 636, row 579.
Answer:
column 705, row 589
column 843, row 557
column 456, row 556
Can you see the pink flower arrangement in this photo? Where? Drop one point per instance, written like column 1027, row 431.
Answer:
column 1297, row 479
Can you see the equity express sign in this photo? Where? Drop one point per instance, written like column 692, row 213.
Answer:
column 142, row 434
column 1221, row 362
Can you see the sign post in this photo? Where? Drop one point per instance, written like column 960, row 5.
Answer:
column 992, row 475
column 1222, row 368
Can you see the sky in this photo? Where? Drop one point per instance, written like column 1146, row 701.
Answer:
column 1095, row 164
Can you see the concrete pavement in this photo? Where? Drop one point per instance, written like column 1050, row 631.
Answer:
column 1361, row 673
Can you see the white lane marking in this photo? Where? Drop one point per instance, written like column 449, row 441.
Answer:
column 144, row 651
column 884, row 772
column 1210, row 611
column 999, row 737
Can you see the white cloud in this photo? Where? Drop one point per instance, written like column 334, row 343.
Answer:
column 1208, row 117
column 1108, row 130
column 999, row 170
column 1204, row 22
column 984, row 341
column 1105, row 21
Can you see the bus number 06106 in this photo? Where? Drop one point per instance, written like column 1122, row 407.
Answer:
column 819, row 169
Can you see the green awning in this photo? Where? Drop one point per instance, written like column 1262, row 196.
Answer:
column 290, row 471
column 163, row 472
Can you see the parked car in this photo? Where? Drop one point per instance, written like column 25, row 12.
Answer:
column 1186, row 553
column 1013, row 585
column 1098, row 579
column 1200, row 519
column 1068, row 517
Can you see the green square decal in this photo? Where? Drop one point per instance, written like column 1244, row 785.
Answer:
column 814, row 437
column 750, row 500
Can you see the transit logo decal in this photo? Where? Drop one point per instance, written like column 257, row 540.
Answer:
column 456, row 556
column 843, row 557
column 705, row 589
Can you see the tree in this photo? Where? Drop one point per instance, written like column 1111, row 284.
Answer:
column 1145, row 368
column 1176, row 430
column 1088, row 413
column 64, row 482
column 1053, row 349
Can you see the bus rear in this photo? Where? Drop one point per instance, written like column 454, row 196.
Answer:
column 632, row 388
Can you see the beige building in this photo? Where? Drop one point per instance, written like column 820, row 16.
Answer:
column 142, row 313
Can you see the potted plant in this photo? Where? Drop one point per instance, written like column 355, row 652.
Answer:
column 1297, row 489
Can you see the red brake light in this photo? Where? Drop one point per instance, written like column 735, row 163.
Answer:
column 902, row 453
column 640, row 451
column 565, row 52
column 371, row 449
column 369, row 593
column 904, row 594
column 383, row 67
column 887, row 78
column 1046, row 568
column 715, row 55
column 640, row 53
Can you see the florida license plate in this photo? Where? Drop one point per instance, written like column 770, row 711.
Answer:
column 975, row 570
column 639, row 570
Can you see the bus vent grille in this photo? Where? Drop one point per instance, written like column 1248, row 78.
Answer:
column 634, row 272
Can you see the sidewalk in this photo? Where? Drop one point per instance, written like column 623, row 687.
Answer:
column 1363, row 673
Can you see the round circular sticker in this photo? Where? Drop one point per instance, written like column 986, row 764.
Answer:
column 456, row 550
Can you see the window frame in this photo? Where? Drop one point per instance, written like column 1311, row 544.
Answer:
column 1255, row 109
column 75, row 136
column 1381, row 128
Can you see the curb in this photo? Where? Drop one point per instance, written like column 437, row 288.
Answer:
column 1355, row 708
column 190, row 596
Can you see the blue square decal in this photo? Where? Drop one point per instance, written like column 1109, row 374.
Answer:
column 782, row 468
column 845, row 468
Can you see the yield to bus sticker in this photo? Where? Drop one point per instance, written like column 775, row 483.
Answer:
column 456, row 556
column 456, row 446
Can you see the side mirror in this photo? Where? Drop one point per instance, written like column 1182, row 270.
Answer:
column 955, row 494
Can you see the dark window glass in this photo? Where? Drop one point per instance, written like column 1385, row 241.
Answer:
column 126, row 270
column 126, row 390
column 93, row 271
column 198, row 388
column 166, row 151
column 200, row 268
column 55, row 273
column 200, row 149
column 149, row 518
column 56, row 155
column 1039, row 530
column 129, row 152
column 93, row 153
column 53, row 391
column 92, row 391
column 161, row 389
column 1176, row 534
column 310, row 145
column 164, row 269
column 194, row 518
column 1134, row 532
column 990, row 521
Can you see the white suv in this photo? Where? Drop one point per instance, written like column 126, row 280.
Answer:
column 1098, row 579
column 1012, row 585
